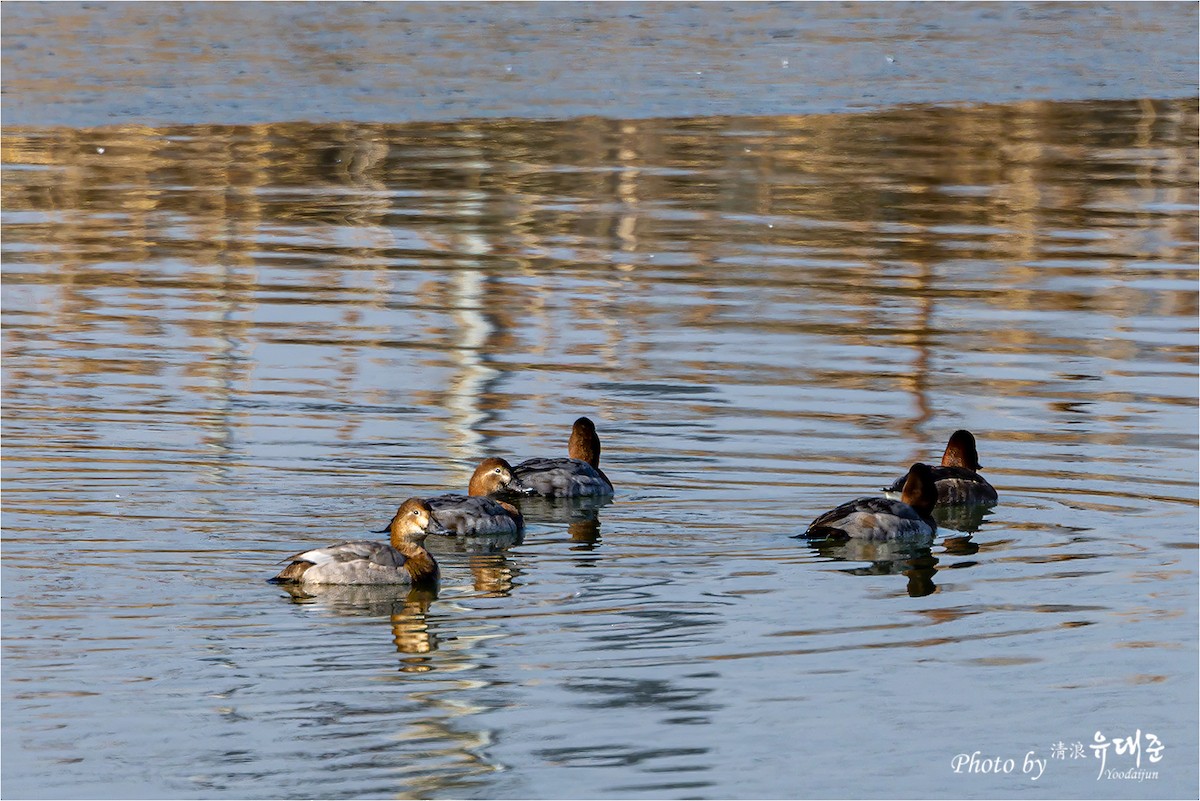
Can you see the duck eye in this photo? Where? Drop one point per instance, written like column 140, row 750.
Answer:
column 496, row 471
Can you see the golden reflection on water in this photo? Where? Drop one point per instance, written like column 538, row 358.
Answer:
column 859, row 212
column 494, row 575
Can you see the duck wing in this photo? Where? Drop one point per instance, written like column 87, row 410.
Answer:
column 831, row 523
column 830, row 519
column 472, row 514
column 561, row 477
column 377, row 553
column 962, row 486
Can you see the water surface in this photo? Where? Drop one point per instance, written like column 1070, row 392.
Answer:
column 226, row 343
column 228, row 337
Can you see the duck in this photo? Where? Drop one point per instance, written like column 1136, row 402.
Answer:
column 475, row 513
column 403, row 561
column 884, row 518
column 577, row 475
column 958, row 481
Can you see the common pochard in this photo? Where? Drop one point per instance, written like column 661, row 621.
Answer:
column 580, row 474
column 884, row 518
column 403, row 561
column 958, row 481
column 475, row 513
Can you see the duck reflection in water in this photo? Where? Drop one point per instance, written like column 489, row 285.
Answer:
column 581, row 513
column 493, row 543
column 406, row 608
column 915, row 560
column 584, row 533
column 884, row 559
column 493, row 574
column 964, row 517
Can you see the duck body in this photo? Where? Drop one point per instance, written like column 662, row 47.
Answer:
column 476, row 514
column 402, row 561
column 467, row 515
column 884, row 518
column 354, row 562
column 576, row 475
column 872, row 519
column 957, row 478
column 561, row 478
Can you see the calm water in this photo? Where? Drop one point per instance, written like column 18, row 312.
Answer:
column 224, row 343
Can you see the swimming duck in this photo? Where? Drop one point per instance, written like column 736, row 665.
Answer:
column 404, row 561
column 957, row 480
column 475, row 513
column 578, row 475
column 884, row 518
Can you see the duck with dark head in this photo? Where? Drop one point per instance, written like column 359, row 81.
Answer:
column 958, row 480
column 884, row 518
column 577, row 475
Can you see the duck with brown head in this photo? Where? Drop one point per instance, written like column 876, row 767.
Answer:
column 476, row 513
column 403, row 561
column 883, row 518
column 958, row 480
column 577, row 475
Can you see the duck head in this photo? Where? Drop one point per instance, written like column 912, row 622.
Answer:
column 494, row 475
column 920, row 488
column 960, row 451
column 412, row 523
column 584, row 443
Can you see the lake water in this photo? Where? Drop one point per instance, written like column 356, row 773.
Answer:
column 226, row 340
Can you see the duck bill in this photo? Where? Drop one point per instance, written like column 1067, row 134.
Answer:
column 516, row 486
column 435, row 527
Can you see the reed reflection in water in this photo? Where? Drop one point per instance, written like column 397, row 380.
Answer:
column 223, row 343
